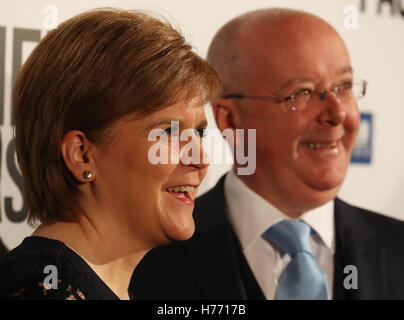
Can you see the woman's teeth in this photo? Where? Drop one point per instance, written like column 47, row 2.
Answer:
column 318, row 145
column 181, row 189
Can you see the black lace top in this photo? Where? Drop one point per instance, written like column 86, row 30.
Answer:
column 41, row 268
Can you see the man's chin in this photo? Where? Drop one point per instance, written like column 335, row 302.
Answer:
column 326, row 180
column 310, row 201
column 326, row 186
column 323, row 192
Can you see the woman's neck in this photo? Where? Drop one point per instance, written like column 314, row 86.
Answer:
column 111, row 257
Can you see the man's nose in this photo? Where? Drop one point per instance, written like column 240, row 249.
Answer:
column 334, row 111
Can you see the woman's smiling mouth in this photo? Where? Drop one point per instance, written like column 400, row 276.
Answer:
column 182, row 193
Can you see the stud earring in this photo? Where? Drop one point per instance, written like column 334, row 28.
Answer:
column 87, row 174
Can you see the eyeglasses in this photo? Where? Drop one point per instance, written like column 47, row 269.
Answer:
column 299, row 100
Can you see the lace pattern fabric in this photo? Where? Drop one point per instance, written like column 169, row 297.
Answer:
column 23, row 275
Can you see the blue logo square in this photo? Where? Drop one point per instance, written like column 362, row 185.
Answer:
column 362, row 152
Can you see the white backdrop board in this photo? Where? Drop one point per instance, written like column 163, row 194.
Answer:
column 375, row 38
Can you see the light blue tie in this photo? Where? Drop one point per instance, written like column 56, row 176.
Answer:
column 302, row 279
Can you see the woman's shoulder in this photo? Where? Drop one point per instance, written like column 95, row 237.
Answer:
column 42, row 268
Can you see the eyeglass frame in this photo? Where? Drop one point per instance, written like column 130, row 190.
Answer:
column 291, row 97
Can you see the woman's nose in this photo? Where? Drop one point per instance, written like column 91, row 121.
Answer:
column 193, row 154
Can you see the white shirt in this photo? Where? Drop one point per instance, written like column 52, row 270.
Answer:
column 251, row 215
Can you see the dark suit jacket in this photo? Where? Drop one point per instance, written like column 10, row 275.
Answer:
column 211, row 265
column 3, row 250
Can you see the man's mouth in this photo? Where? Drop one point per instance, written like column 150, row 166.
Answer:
column 320, row 145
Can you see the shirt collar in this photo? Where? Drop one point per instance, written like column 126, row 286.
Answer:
column 251, row 215
column 321, row 219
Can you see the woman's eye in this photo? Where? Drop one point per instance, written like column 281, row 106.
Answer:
column 172, row 131
column 201, row 132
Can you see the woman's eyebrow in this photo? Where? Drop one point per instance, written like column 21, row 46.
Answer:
column 164, row 122
column 202, row 124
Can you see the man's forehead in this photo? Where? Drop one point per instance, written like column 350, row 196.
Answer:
column 298, row 79
column 282, row 28
column 277, row 43
column 273, row 22
column 295, row 51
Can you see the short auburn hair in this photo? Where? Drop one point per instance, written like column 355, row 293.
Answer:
column 90, row 72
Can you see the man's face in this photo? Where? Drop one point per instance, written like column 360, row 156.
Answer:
column 302, row 156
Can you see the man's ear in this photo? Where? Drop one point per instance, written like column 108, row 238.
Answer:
column 224, row 112
column 227, row 118
column 74, row 149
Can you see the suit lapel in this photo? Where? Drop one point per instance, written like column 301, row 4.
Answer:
column 217, row 278
column 357, row 248
column 227, row 275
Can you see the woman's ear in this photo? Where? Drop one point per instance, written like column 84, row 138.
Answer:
column 74, row 149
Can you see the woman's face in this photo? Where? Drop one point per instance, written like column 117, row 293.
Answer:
column 145, row 198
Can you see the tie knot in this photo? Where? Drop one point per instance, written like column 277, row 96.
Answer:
column 290, row 236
